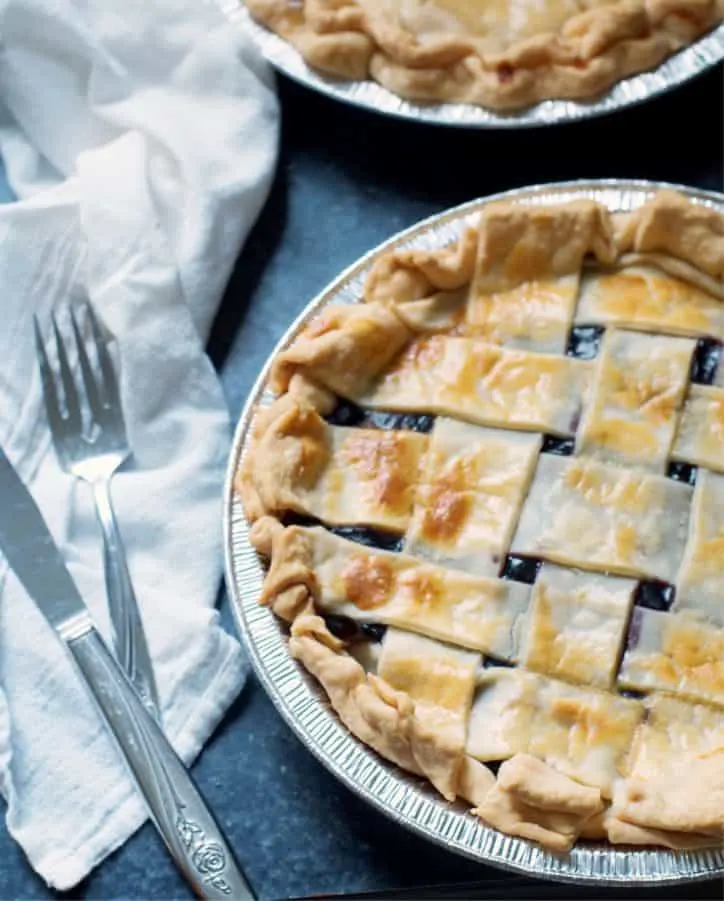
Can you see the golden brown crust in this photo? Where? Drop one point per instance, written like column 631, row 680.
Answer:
column 290, row 586
column 254, row 481
column 287, row 455
column 539, row 785
column 679, row 269
column 343, row 349
column 590, row 52
column 532, row 800
column 535, row 70
column 328, row 34
column 412, row 290
column 512, row 244
column 343, row 352
column 383, row 718
column 522, row 243
column 516, row 243
column 619, row 832
column 296, row 462
column 671, row 224
column 406, row 275
column 685, row 793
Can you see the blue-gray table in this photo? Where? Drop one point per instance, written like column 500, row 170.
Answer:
column 346, row 181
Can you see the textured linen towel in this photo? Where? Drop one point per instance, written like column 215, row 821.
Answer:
column 140, row 139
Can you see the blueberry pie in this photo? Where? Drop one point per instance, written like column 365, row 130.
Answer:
column 502, row 55
column 491, row 495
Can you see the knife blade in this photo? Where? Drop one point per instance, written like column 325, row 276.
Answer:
column 175, row 805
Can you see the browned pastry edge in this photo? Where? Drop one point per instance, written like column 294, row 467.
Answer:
column 669, row 231
column 532, row 800
column 290, row 438
column 529, row 798
column 672, row 224
column 344, row 349
column 591, row 52
column 388, row 721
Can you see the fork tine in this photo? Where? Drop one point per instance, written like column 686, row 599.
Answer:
column 72, row 403
column 89, row 379
column 110, row 383
column 52, row 406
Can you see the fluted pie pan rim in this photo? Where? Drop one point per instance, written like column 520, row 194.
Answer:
column 405, row 798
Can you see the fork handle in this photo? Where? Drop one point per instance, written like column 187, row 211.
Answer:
column 180, row 814
column 129, row 638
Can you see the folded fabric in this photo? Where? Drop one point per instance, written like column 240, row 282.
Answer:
column 140, row 140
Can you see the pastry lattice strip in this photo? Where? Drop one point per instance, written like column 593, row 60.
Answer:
column 425, row 343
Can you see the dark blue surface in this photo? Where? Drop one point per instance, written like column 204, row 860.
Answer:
column 346, row 181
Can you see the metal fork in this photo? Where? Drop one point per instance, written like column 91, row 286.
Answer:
column 92, row 447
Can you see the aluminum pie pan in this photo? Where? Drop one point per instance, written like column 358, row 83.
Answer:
column 693, row 60
column 406, row 799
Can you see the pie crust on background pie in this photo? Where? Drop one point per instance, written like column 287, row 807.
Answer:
column 501, row 54
column 492, row 499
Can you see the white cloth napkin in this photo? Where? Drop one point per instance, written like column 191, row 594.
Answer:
column 140, row 138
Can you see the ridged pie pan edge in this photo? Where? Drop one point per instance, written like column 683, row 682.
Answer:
column 408, row 800
column 693, row 60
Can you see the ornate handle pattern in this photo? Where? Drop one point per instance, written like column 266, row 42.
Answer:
column 179, row 812
column 129, row 639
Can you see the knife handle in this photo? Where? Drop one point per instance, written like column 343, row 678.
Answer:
column 180, row 814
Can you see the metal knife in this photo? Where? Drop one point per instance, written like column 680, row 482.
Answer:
column 180, row 814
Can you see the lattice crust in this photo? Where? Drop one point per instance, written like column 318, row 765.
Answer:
column 583, row 733
column 699, row 589
column 636, row 399
column 538, row 451
column 646, row 299
column 439, row 679
column 484, row 384
column 369, row 585
column 469, row 495
column 700, row 439
column 576, row 625
column 342, row 475
column 676, row 781
column 505, row 56
column 608, row 518
column 674, row 652
column 533, row 316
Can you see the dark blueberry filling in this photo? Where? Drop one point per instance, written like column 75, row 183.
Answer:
column 410, row 422
column 584, row 341
column 341, row 627
column 562, row 447
column 634, row 630
column 630, row 693
column 682, row 472
column 374, row 632
column 575, row 421
column 654, row 594
column 707, row 355
column 374, row 538
column 494, row 663
column 349, row 630
column 299, row 519
column 346, row 413
column 521, row 569
column 370, row 537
